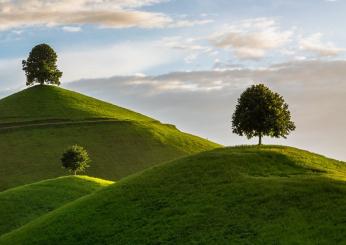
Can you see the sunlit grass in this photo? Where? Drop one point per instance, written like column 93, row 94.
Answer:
column 51, row 102
column 23, row 204
column 101, row 182
column 239, row 195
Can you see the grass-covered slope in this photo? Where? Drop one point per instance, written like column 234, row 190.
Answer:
column 39, row 123
column 51, row 102
column 21, row 205
column 242, row 195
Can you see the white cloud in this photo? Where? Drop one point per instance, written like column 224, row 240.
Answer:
column 315, row 45
column 190, row 23
column 191, row 48
column 102, row 13
column 119, row 59
column 306, row 73
column 162, row 84
column 252, row 39
column 108, row 13
column 181, row 43
column 72, row 28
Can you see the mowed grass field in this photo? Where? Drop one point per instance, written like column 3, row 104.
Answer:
column 39, row 123
column 23, row 204
column 239, row 195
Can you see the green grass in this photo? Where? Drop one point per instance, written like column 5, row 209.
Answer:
column 126, row 143
column 240, row 195
column 51, row 102
column 23, row 204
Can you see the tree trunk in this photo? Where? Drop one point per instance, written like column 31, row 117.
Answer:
column 75, row 172
column 260, row 139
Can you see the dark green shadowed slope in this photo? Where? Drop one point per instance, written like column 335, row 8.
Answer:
column 242, row 195
column 39, row 123
column 23, row 204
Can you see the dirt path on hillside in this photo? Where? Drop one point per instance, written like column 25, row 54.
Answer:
column 42, row 124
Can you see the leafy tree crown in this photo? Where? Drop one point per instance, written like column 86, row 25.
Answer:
column 261, row 112
column 40, row 67
column 75, row 159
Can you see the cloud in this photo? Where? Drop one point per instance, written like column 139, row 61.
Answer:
column 191, row 48
column 108, row 13
column 202, row 102
column 124, row 58
column 72, row 28
column 315, row 45
column 105, row 13
column 174, row 82
column 251, row 39
column 181, row 43
column 190, row 23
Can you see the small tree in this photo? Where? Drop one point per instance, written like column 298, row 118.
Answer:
column 40, row 67
column 261, row 112
column 75, row 159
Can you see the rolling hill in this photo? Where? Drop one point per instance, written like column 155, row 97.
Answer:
column 39, row 123
column 54, row 103
column 23, row 204
column 239, row 195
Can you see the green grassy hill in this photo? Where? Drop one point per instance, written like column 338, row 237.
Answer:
column 23, row 204
column 241, row 195
column 39, row 123
column 54, row 103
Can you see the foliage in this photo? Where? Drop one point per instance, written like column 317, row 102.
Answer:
column 75, row 159
column 40, row 67
column 261, row 112
column 241, row 195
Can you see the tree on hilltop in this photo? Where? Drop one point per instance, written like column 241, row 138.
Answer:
column 75, row 159
column 40, row 67
column 261, row 112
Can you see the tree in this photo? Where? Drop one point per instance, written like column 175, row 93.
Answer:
column 40, row 67
column 261, row 112
column 75, row 159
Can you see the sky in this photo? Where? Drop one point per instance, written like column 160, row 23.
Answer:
column 187, row 62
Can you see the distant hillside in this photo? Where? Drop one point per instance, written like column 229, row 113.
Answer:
column 241, row 195
column 21, row 205
column 39, row 123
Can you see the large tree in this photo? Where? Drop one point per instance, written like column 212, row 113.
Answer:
column 261, row 112
column 75, row 159
column 40, row 67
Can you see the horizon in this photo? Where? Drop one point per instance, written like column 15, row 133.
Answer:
column 187, row 63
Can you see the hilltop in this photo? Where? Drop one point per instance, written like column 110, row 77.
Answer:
column 240, row 195
column 54, row 103
column 39, row 123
